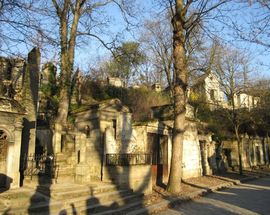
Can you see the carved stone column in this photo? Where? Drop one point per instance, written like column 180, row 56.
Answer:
column 17, row 152
column 57, row 136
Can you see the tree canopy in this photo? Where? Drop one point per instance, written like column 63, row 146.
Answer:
column 126, row 61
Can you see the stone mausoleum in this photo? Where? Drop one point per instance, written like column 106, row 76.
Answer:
column 101, row 143
column 11, row 125
column 18, row 104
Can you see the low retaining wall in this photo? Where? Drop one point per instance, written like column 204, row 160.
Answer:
column 136, row 177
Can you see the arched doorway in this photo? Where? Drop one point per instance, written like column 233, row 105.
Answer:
column 3, row 158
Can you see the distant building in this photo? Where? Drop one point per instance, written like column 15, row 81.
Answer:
column 208, row 86
column 156, row 87
column 115, row 81
column 243, row 100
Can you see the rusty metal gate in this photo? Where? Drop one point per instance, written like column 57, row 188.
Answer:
column 40, row 165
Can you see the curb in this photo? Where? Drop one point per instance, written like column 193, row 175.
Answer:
column 170, row 201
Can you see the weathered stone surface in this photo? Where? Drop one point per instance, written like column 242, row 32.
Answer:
column 254, row 152
column 191, row 152
column 12, row 69
column 136, row 177
column 11, row 132
column 30, row 99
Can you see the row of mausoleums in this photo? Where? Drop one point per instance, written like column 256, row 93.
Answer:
column 104, row 145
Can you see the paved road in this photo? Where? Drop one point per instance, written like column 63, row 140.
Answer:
column 248, row 199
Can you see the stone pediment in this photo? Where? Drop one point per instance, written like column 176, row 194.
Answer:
column 106, row 105
column 113, row 104
column 11, row 106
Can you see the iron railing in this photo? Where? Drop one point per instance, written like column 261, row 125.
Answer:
column 128, row 159
column 39, row 165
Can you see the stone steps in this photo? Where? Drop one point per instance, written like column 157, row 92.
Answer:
column 68, row 190
column 100, row 198
column 97, row 205
column 64, row 173
column 64, row 170
column 39, row 208
column 120, row 204
column 24, row 201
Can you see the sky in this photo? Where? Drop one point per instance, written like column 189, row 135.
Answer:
column 258, row 55
column 91, row 51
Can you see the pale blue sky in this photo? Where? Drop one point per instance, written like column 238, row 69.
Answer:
column 258, row 55
column 91, row 50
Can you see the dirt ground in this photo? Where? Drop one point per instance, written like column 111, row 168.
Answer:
column 203, row 182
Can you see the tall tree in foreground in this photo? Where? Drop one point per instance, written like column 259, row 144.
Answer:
column 78, row 18
column 67, row 45
column 187, row 15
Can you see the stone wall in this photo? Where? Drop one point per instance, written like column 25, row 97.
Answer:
column 137, row 143
column 255, row 152
column 208, row 154
column 11, row 114
column 12, row 69
column 191, row 152
column 89, row 154
column 106, row 129
column 30, row 100
column 127, row 176
column 19, row 80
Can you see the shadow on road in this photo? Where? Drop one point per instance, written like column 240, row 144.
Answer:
column 249, row 198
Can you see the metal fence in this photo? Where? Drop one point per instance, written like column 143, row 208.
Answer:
column 39, row 165
column 128, row 159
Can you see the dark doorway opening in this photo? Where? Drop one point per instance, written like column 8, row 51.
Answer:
column 258, row 155
column 203, row 158
column 3, row 159
column 158, row 148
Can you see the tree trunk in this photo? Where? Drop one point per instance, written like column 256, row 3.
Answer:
column 65, row 87
column 180, row 86
column 239, row 146
column 67, row 56
column 63, row 106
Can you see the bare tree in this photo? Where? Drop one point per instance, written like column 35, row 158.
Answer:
column 76, row 19
column 157, row 40
column 187, row 15
column 64, row 24
column 255, row 26
column 231, row 68
column 16, row 25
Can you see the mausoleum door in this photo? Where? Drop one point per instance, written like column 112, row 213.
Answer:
column 3, row 158
column 158, row 148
